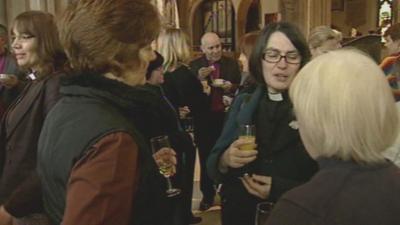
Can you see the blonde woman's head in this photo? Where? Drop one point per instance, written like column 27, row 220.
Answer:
column 323, row 39
column 345, row 107
column 173, row 46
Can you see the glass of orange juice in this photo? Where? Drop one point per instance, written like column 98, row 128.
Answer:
column 248, row 133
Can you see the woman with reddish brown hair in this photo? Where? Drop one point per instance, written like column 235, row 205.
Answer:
column 98, row 169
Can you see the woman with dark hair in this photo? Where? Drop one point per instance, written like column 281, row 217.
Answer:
column 278, row 161
column 38, row 52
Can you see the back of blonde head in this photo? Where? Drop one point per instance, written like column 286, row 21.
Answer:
column 320, row 34
column 101, row 35
column 345, row 107
column 173, row 46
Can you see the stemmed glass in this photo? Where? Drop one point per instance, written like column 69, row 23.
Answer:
column 263, row 210
column 165, row 165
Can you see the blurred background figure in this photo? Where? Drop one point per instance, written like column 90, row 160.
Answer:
column 9, row 87
column 186, row 94
column 323, row 39
column 40, row 55
column 276, row 160
column 246, row 45
column 107, row 174
column 329, row 94
column 169, row 124
column 393, row 152
column 222, row 75
column 392, row 44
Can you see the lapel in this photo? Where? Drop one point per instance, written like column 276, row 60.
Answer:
column 246, row 113
column 24, row 103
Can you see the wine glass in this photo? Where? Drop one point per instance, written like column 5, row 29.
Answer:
column 247, row 132
column 165, row 167
column 263, row 210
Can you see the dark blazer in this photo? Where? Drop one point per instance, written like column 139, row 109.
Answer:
column 183, row 88
column 229, row 69
column 19, row 134
column 343, row 193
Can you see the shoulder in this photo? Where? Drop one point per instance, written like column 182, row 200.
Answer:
column 228, row 60
column 198, row 61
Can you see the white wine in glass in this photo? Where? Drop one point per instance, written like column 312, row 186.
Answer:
column 165, row 167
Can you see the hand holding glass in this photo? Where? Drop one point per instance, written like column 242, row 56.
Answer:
column 164, row 162
column 247, row 133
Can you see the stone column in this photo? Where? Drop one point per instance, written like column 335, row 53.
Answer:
column 306, row 14
column 3, row 12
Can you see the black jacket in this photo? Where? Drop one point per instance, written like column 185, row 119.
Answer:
column 343, row 193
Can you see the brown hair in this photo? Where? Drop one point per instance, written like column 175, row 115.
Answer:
column 247, row 43
column 393, row 31
column 102, row 36
column 42, row 26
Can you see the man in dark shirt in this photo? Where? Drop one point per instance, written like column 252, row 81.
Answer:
column 222, row 74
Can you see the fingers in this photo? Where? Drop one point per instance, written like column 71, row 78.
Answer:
column 244, row 141
column 165, row 155
column 205, row 71
column 8, row 80
column 249, row 188
column 236, row 158
column 258, row 185
column 262, row 179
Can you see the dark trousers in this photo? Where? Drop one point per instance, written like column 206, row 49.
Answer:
column 184, row 180
column 238, row 207
column 206, row 139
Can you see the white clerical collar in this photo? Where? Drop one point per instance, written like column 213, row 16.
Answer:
column 274, row 96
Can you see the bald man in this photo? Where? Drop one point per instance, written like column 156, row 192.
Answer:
column 222, row 74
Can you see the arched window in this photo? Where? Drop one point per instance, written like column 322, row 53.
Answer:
column 169, row 12
column 217, row 16
column 385, row 13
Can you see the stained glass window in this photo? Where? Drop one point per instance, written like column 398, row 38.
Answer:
column 218, row 16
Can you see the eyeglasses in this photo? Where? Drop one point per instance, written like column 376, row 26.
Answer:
column 274, row 56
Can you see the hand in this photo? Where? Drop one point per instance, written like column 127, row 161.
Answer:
column 206, row 87
column 165, row 156
column 257, row 185
column 205, row 72
column 5, row 217
column 183, row 112
column 8, row 80
column 227, row 100
column 235, row 158
column 227, row 86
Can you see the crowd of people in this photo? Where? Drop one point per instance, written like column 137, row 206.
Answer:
column 82, row 102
